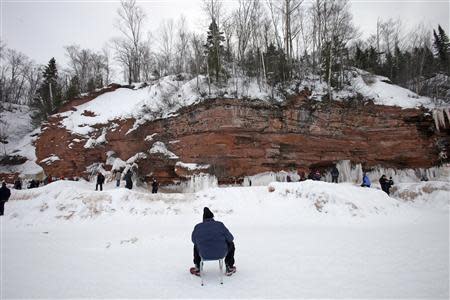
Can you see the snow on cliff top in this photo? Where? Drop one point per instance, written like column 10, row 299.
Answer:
column 163, row 97
column 383, row 92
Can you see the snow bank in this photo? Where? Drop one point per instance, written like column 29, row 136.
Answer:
column 336, row 199
column 432, row 193
column 68, row 200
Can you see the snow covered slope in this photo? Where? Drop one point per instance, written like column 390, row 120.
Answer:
column 163, row 97
column 15, row 124
column 302, row 240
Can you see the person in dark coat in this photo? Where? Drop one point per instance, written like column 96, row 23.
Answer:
column 386, row 184
column 18, row 184
column 155, row 185
column 33, row 184
column 316, row 175
column 334, row 175
column 100, row 181
column 212, row 240
column 4, row 197
column 128, row 180
column 288, row 178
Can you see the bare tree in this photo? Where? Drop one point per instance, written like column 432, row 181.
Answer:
column 196, row 43
column 182, row 46
column 167, row 46
column 130, row 23
column 18, row 76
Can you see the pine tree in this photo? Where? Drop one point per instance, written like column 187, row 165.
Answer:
column 441, row 45
column 48, row 97
column 214, row 49
column 73, row 91
column 91, row 85
column 276, row 65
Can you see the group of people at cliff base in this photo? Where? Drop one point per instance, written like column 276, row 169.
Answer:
column 384, row 182
column 128, row 177
column 35, row 183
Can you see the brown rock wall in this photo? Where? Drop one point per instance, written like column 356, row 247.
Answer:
column 239, row 138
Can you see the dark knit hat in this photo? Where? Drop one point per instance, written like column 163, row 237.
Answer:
column 207, row 214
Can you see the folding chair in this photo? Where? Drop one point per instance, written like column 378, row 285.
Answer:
column 221, row 260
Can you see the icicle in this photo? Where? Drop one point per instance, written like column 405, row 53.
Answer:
column 436, row 119
column 439, row 115
column 447, row 112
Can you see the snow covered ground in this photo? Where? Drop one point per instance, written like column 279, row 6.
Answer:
column 15, row 125
column 302, row 240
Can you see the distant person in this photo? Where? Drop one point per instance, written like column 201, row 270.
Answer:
column 366, row 181
column 100, row 181
column 155, row 185
column 128, row 180
column 316, row 175
column 18, row 184
column 5, row 193
column 288, row 178
column 386, row 184
column 334, row 175
column 117, row 177
column 302, row 176
column 249, row 182
column 32, row 184
column 212, row 241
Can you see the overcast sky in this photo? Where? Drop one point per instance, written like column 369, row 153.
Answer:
column 40, row 29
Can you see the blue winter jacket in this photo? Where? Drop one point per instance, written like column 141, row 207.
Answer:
column 366, row 181
column 211, row 237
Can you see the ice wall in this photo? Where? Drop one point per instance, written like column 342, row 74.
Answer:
column 439, row 116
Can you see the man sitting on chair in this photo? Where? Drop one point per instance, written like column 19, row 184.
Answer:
column 212, row 241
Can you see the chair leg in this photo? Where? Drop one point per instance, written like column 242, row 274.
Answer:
column 201, row 272
column 221, row 270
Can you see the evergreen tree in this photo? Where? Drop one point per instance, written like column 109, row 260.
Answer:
column 214, row 49
column 360, row 58
column 91, row 85
column 48, row 98
column 276, row 65
column 441, row 45
column 73, row 91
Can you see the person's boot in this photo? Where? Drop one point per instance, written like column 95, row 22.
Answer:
column 230, row 270
column 195, row 271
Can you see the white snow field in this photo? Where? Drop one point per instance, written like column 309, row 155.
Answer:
column 302, row 240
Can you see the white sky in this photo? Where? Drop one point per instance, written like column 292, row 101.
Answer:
column 40, row 29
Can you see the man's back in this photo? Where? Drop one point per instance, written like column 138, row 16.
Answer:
column 211, row 238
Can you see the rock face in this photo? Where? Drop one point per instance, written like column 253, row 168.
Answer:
column 237, row 138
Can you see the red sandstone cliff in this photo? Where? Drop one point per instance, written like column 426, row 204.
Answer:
column 238, row 138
